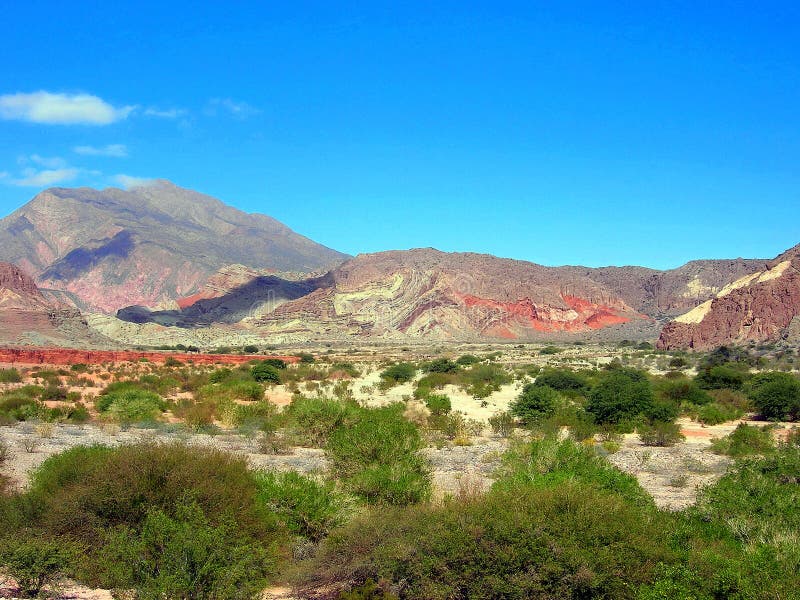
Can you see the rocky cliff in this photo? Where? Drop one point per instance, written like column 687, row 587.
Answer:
column 760, row 307
column 28, row 317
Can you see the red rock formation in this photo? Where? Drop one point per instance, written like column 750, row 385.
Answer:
column 757, row 308
column 25, row 312
column 67, row 356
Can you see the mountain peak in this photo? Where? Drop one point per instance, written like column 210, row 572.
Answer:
column 148, row 245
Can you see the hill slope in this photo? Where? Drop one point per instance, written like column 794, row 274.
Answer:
column 427, row 293
column 113, row 248
column 763, row 306
column 28, row 317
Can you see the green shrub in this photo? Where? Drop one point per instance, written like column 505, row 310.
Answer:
column 482, row 380
column 131, row 405
column 467, row 360
column 550, row 462
column 682, row 390
column 433, row 381
column 569, row 541
column 562, row 380
column 745, row 440
column 743, row 529
column 377, row 458
column 18, row 405
column 621, row 395
column 535, row 403
column 716, row 413
column 315, row 419
column 264, row 372
column 181, row 554
column 36, row 562
column 441, row 365
column 502, row 423
column 398, row 373
column 308, row 508
column 660, row 434
column 662, row 411
column 275, row 362
column 438, row 404
column 10, row 376
column 776, row 395
column 721, row 376
column 306, row 358
column 549, row 350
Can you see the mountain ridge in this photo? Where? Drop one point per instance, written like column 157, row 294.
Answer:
column 148, row 245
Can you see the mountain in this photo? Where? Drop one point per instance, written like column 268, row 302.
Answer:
column 763, row 306
column 107, row 249
column 28, row 317
column 464, row 296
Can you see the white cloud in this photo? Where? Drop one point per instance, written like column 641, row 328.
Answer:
column 61, row 109
column 45, row 177
column 54, row 162
column 3, row 174
column 169, row 113
column 128, row 181
column 115, row 150
column 240, row 110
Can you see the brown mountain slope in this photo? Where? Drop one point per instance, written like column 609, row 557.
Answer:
column 762, row 307
column 112, row 248
column 429, row 293
column 28, row 317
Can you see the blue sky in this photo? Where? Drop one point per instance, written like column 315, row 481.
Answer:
column 563, row 133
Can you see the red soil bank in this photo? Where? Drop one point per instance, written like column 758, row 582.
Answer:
column 66, row 356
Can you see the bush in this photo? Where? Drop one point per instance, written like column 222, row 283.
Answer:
column 719, row 377
column 181, row 554
column 745, row 440
column 306, row 358
column 438, row 404
column 377, row 458
column 660, row 434
column 535, row 403
column 682, row 390
column 467, row 360
column 275, row 362
column 399, row 373
column 776, row 395
column 744, row 529
column 621, row 395
column 562, row 380
column 315, row 419
column 570, row 541
column 502, row 423
column 551, row 463
column 10, row 376
column 131, row 405
column 482, row 380
column 264, row 372
column 716, row 413
column 36, row 562
column 441, row 365
column 662, row 411
column 308, row 508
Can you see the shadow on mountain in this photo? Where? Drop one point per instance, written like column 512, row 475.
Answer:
column 259, row 296
column 81, row 260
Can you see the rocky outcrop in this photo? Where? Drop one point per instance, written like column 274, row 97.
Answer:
column 27, row 316
column 427, row 293
column 104, row 250
column 64, row 356
column 760, row 307
column 464, row 296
